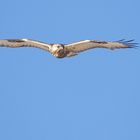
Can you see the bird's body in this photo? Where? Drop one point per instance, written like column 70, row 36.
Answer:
column 68, row 50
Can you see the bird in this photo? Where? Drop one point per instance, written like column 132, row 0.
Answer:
column 68, row 50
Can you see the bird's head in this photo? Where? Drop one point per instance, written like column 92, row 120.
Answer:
column 58, row 50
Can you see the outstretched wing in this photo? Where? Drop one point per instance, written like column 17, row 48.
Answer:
column 15, row 43
column 90, row 44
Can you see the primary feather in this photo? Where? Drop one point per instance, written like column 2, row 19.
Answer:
column 15, row 43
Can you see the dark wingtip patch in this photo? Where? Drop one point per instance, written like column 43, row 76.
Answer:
column 128, row 43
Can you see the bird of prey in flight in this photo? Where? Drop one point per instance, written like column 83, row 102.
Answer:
column 67, row 50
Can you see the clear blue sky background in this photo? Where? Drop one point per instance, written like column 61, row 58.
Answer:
column 94, row 96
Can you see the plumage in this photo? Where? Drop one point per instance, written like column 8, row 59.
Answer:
column 14, row 43
column 68, row 50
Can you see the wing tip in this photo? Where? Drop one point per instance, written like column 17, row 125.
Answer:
column 129, row 43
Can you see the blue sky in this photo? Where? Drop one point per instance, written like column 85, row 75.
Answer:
column 95, row 95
